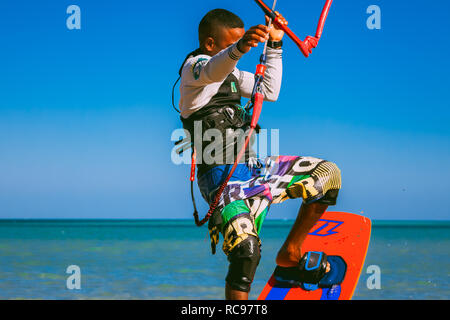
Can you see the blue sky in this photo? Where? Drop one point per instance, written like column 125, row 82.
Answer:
column 85, row 115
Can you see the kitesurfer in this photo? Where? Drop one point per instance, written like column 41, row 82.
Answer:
column 211, row 88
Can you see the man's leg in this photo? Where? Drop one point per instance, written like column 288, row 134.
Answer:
column 244, row 259
column 290, row 253
column 242, row 247
column 311, row 177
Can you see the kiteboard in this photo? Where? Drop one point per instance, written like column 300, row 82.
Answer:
column 344, row 238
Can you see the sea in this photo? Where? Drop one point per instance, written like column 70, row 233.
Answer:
column 171, row 259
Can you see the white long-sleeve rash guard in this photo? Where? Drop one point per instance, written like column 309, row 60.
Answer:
column 202, row 76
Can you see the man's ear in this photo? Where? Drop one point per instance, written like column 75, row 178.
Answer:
column 210, row 44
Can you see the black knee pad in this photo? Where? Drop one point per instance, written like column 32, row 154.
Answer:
column 244, row 259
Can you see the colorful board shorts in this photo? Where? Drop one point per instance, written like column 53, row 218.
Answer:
column 257, row 184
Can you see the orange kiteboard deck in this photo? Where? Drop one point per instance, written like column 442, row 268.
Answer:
column 337, row 234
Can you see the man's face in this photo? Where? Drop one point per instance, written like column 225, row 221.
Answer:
column 225, row 38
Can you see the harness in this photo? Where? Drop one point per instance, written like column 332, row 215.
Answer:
column 222, row 112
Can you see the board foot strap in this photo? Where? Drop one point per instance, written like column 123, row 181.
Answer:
column 311, row 273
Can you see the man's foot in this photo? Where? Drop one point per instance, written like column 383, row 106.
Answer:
column 290, row 258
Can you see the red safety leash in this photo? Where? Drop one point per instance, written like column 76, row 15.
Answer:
column 219, row 192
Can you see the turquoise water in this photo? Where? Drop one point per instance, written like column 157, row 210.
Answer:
column 171, row 259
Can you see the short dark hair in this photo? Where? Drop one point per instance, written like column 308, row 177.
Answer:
column 216, row 19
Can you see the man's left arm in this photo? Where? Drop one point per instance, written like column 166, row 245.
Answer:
column 272, row 77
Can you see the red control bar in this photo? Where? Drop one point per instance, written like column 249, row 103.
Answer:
column 310, row 42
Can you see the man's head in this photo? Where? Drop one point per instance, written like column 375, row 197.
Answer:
column 219, row 29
